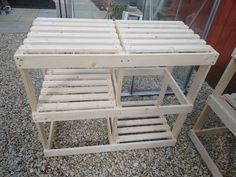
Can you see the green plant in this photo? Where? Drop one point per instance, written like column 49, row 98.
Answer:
column 116, row 9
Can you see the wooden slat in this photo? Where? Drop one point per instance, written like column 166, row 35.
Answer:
column 163, row 42
column 75, row 83
column 69, row 20
column 169, row 49
column 42, row 107
column 146, row 136
column 143, row 121
column 148, row 22
column 107, row 148
column 63, row 35
column 73, row 29
column 74, row 97
column 70, row 90
column 153, row 26
column 46, row 41
column 204, row 154
column 149, row 31
column 62, row 49
column 158, row 36
column 151, row 128
column 226, row 113
column 72, row 24
column 76, row 77
column 144, row 71
column 231, row 99
column 113, row 60
column 78, row 71
column 121, row 113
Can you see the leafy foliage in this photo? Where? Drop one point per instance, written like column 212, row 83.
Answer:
column 116, row 9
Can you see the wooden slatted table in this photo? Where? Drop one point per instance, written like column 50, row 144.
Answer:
column 84, row 62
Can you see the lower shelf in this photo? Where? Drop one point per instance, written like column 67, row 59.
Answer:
column 143, row 129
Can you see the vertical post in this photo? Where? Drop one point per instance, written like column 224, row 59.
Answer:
column 118, row 89
column 119, row 86
column 29, row 88
column 30, row 92
column 51, row 135
column 192, row 94
column 164, row 87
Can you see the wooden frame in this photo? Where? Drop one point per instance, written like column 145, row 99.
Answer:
column 84, row 62
column 225, row 111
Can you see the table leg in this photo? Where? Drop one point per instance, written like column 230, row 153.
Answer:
column 118, row 88
column 30, row 92
column 164, row 87
column 42, row 134
column 191, row 96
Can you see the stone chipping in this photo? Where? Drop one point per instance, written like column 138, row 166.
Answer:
column 21, row 153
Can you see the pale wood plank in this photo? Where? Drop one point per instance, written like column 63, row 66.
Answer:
column 225, row 112
column 150, row 42
column 113, row 60
column 72, row 24
column 154, row 31
column 231, row 99
column 118, row 88
column 62, row 49
column 42, row 107
column 168, row 48
column 164, row 87
column 148, row 22
column 141, row 36
column 124, row 112
column 211, row 131
column 71, row 90
column 143, row 121
column 42, row 134
column 151, row 25
column 74, row 97
column 72, row 29
column 151, row 128
column 108, row 148
column 51, row 135
column 29, row 88
column 73, row 83
column 69, row 20
column 204, row 154
column 64, row 35
column 146, row 136
column 78, row 71
column 75, row 77
column 68, row 41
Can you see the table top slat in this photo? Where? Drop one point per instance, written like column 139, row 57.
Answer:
column 96, row 42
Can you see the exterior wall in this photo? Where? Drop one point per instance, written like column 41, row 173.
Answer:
column 222, row 37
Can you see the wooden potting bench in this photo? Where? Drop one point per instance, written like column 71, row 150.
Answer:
column 84, row 62
column 225, row 108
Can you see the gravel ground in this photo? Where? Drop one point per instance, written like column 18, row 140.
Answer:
column 22, row 154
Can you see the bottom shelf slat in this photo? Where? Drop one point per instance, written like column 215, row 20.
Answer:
column 144, row 136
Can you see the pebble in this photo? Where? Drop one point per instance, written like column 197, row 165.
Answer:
column 22, row 154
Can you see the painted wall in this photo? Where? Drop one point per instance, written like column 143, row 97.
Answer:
column 222, row 37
